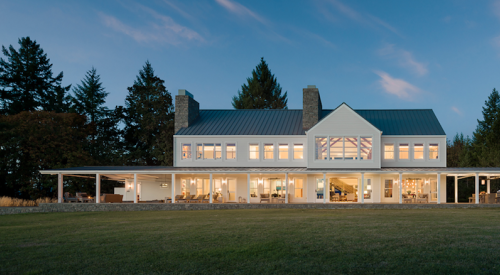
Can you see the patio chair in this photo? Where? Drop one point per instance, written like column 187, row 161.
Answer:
column 472, row 199
column 406, row 199
column 182, row 198
column 68, row 198
column 265, row 197
column 423, row 198
column 190, row 198
column 206, row 198
column 335, row 197
column 350, row 197
column 169, row 199
column 197, row 199
column 282, row 199
column 82, row 197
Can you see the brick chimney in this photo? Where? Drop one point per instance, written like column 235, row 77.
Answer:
column 311, row 110
column 186, row 110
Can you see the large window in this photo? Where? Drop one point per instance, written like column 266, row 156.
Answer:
column 268, row 151
column 299, row 188
column 254, row 151
column 321, row 149
column 336, row 148
column 433, row 151
column 253, row 188
column 389, row 151
column 199, row 151
column 418, row 151
column 351, row 148
column 230, row 151
column 283, row 151
column 208, row 151
column 403, row 151
column 298, row 151
column 388, row 188
column 202, row 186
column 186, row 151
column 366, row 148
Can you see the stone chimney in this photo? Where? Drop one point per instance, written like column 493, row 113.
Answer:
column 311, row 110
column 186, row 110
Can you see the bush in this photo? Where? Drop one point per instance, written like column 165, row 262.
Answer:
column 7, row 201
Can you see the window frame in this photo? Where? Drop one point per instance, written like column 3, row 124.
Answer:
column 293, row 151
column 224, row 151
column 393, row 151
column 182, row 151
column 264, row 151
column 413, row 151
column 327, row 148
column 358, row 159
column 392, row 188
column 409, row 150
column 288, row 151
column 295, row 188
column 259, row 149
column 429, row 151
column 359, row 148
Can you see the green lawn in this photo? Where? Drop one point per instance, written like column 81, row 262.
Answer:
column 436, row 241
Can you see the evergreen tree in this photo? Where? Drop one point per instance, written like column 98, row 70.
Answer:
column 90, row 97
column 491, row 111
column 26, row 81
column 262, row 91
column 149, row 120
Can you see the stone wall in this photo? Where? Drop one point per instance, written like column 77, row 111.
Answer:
column 312, row 107
column 186, row 111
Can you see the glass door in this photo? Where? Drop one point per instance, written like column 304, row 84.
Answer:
column 320, row 190
column 433, row 190
column 231, row 190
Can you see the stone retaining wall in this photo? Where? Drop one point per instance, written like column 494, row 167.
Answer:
column 91, row 207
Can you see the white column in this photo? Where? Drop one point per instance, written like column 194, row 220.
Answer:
column 477, row 188
column 59, row 188
column 362, row 187
column 97, row 188
column 439, row 188
column 286, row 187
column 173, row 188
column 488, row 185
column 211, row 189
column 400, row 188
column 248, row 188
column 324, row 188
column 456, row 189
column 135, row 188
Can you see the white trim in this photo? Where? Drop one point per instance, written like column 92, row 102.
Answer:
column 409, row 151
column 393, row 151
column 235, row 152
column 260, row 151
column 423, row 151
column 191, row 158
column 278, row 156
column 303, row 151
column 438, row 152
column 264, row 152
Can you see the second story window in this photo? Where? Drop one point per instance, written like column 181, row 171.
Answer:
column 208, row 151
column 336, row 148
column 298, row 151
column 418, row 151
column 231, row 151
column 403, row 151
column 389, row 151
column 321, row 149
column 283, row 151
column 199, row 151
column 366, row 147
column 351, row 148
column 269, row 151
column 254, row 151
column 186, row 151
column 433, row 151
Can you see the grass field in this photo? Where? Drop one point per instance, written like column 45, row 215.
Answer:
column 436, row 241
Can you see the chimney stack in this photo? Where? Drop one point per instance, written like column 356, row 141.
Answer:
column 312, row 107
column 186, row 110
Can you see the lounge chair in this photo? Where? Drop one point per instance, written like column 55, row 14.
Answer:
column 82, row 197
column 197, row 199
column 206, row 198
column 423, row 198
column 190, row 198
column 350, row 197
column 336, row 197
column 68, row 198
column 265, row 197
column 182, row 198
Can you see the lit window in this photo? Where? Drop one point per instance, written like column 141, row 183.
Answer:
column 299, row 188
column 337, row 148
column 351, row 148
column 283, row 151
column 254, row 151
column 186, row 151
column 366, row 148
column 388, row 188
column 418, row 151
column 389, row 151
column 403, row 151
column 298, row 151
column 208, row 151
column 230, row 151
column 268, row 151
column 320, row 148
column 367, row 193
column 433, row 151
column 199, row 151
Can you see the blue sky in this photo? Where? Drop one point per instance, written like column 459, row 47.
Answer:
column 443, row 55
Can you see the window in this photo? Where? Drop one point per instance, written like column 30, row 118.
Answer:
column 337, row 148
column 299, row 188
column 283, row 151
column 388, row 188
column 253, row 188
column 351, row 148
column 418, row 151
column 210, row 151
column 389, row 151
column 368, row 189
column 433, row 151
column 230, row 151
column 320, row 148
column 254, row 151
column 298, row 151
column 199, row 151
column 218, row 151
column 186, row 151
column 403, row 151
column 366, row 148
column 268, row 151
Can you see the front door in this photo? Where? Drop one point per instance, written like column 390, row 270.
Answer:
column 231, row 190
column 320, row 190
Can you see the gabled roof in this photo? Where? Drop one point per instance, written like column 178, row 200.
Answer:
column 289, row 122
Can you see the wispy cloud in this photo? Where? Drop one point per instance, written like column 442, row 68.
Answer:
column 456, row 110
column 496, row 8
column 397, row 87
column 178, row 9
column 405, row 59
column 241, row 10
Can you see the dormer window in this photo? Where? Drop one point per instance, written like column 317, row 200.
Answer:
column 298, row 151
column 231, row 151
column 186, row 151
column 269, row 151
column 433, row 151
column 283, row 151
column 389, row 151
column 208, row 151
column 404, row 151
column 418, row 151
column 254, row 151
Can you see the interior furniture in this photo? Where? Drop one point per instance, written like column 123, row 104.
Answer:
column 406, row 199
column 335, row 197
column 424, row 198
column 350, row 197
column 265, row 198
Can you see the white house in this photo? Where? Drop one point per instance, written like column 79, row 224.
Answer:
column 313, row 155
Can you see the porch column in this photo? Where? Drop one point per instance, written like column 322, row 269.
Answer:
column 97, row 188
column 59, row 188
column 324, row 188
column 135, row 188
column 173, row 188
column 477, row 188
column 456, row 189
column 488, row 185
column 286, row 187
column 248, row 188
column 439, row 188
column 400, row 188
column 362, row 187
column 211, row 189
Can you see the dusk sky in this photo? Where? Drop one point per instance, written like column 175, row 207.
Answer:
column 440, row 55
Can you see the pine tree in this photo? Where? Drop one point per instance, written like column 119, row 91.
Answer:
column 491, row 112
column 149, row 120
column 90, row 97
column 26, row 81
column 262, row 91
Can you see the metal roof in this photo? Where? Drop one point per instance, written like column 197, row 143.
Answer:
column 289, row 122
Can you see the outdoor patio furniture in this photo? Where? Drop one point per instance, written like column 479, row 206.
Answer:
column 197, row 199
column 282, row 199
column 424, row 198
column 490, row 198
column 206, row 198
column 69, row 198
column 111, row 198
column 182, row 198
column 265, row 197
column 190, row 198
column 472, row 199
column 350, row 197
column 336, row 197
column 406, row 199
column 82, row 197
column 497, row 198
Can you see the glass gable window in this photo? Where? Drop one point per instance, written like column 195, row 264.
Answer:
column 231, row 151
column 366, row 147
column 389, row 151
column 351, row 148
column 254, row 151
column 199, row 151
column 186, row 151
column 433, row 151
column 388, row 188
column 298, row 151
column 320, row 148
column 418, row 151
column 268, row 151
column 403, row 151
column 337, row 148
column 283, row 151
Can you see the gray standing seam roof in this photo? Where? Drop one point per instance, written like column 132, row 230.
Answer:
column 289, row 122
